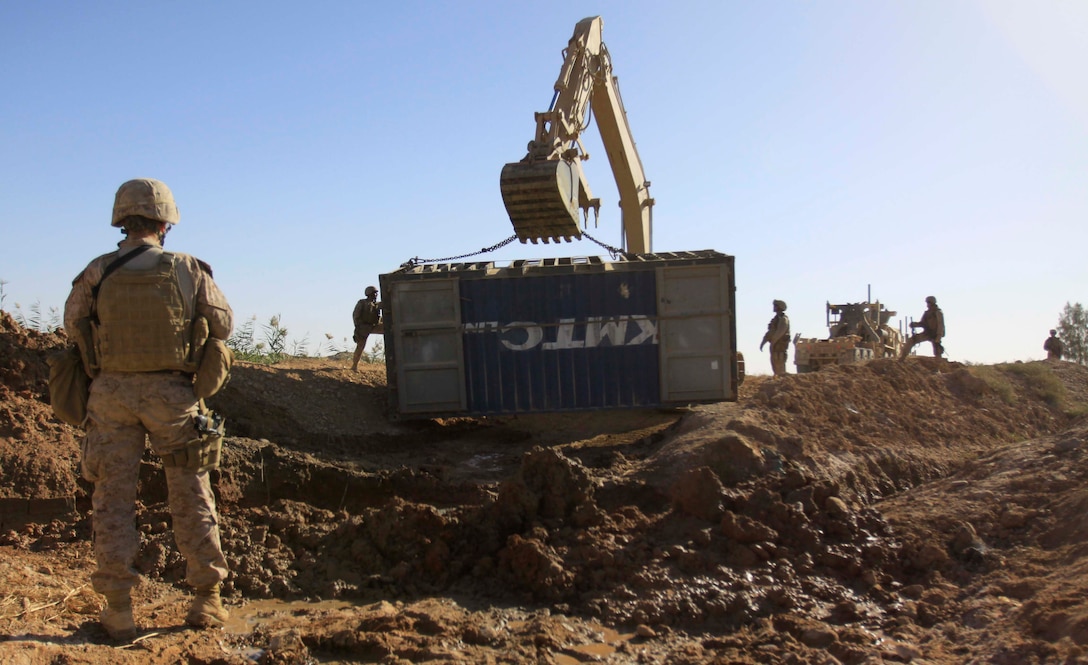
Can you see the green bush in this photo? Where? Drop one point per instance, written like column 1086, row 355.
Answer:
column 272, row 345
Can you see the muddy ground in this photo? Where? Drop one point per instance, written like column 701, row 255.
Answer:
column 896, row 512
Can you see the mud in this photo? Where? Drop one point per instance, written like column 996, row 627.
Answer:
column 919, row 511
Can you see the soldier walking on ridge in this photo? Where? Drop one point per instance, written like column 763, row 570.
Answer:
column 932, row 325
column 1053, row 346
column 778, row 335
column 366, row 316
column 140, row 315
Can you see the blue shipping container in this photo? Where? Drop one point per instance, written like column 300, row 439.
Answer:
column 560, row 334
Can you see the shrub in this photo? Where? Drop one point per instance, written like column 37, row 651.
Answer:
column 273, row 345
column 1040, row 381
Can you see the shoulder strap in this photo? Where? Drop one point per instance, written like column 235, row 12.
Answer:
column 117, row 263
column 114, row 265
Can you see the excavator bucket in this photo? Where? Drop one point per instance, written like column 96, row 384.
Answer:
column 542, row 199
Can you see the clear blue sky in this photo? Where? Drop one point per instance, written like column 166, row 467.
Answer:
column 927, row 147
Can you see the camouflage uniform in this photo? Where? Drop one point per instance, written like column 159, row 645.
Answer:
column 123, row 408
column 1053, row 346
column 778, row 335
column 366, row 316
column 932, row 325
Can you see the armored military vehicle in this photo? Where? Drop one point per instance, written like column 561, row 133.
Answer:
column 858, row 332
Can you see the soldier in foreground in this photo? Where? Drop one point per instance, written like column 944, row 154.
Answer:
column 932, row 325
column 366, row 316
column 778, row 336
column 140, row 316
column 1053, row 346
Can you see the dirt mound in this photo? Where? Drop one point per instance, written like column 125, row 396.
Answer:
column 36, row 481
column 892, row 512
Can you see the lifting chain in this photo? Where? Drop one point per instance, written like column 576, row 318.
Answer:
column 415, row 261
column 615, row 252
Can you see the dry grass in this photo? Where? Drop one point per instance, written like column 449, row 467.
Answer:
column 996, row 380
column 1040, row 381
column 42, row 597
column 1036, row 379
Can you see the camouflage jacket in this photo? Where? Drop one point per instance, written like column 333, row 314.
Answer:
column 201, row 295
column 367, row 313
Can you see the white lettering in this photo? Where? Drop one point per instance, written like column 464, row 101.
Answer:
column 564, row 337
column 533, row 335
column 599, row 331
column 482, row 326
column 647, row 328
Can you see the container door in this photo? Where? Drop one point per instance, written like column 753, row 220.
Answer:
column 429, row 357
column 695, row 306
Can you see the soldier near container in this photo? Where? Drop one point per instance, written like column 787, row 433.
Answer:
column 932, row 325
column 366, row 316
column 143, row 318
column 778, row 336
column 1054, row 346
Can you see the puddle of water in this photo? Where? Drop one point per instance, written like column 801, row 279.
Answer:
column 610, row 641
column 596, row 650
column 486, row 462
column 245, row 618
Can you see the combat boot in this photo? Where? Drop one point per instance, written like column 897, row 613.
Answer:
column 207, row 610
column 117, row 617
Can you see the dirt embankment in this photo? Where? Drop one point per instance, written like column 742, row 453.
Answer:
column 894, row 512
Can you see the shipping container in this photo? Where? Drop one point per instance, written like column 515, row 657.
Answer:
column 478, row 339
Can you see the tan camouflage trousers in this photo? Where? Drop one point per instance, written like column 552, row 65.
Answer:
column 362, row 332
column 123, row 409
column 917, row 338
column 778, row 363
column 778, row 358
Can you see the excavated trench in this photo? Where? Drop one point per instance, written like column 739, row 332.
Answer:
column 713, row 516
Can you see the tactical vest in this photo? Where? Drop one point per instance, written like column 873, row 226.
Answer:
column 367, row 313
column 143, row 324
column 780, row 319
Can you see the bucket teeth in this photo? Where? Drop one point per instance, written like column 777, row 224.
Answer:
column 542, row 201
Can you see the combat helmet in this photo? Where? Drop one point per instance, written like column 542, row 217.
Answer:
column 779, row 305
column 931, row 300
column 371, row 291
column 145, row 197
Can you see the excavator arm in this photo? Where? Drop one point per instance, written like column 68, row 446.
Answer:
column 546, row 193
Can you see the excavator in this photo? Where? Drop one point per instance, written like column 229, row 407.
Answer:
column 546, row 193
column 644, row 329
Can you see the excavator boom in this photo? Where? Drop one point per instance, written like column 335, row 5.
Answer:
column 546, row 193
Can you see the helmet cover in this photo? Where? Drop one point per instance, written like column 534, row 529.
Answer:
column 145, row 197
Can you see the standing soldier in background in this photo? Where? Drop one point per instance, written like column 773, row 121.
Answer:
column 367, row 315
column 932, row 325
column 1053, row 346
column 778, row 335
column 143, row 318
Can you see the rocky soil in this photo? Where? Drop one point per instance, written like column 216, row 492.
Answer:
column 896, row 512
